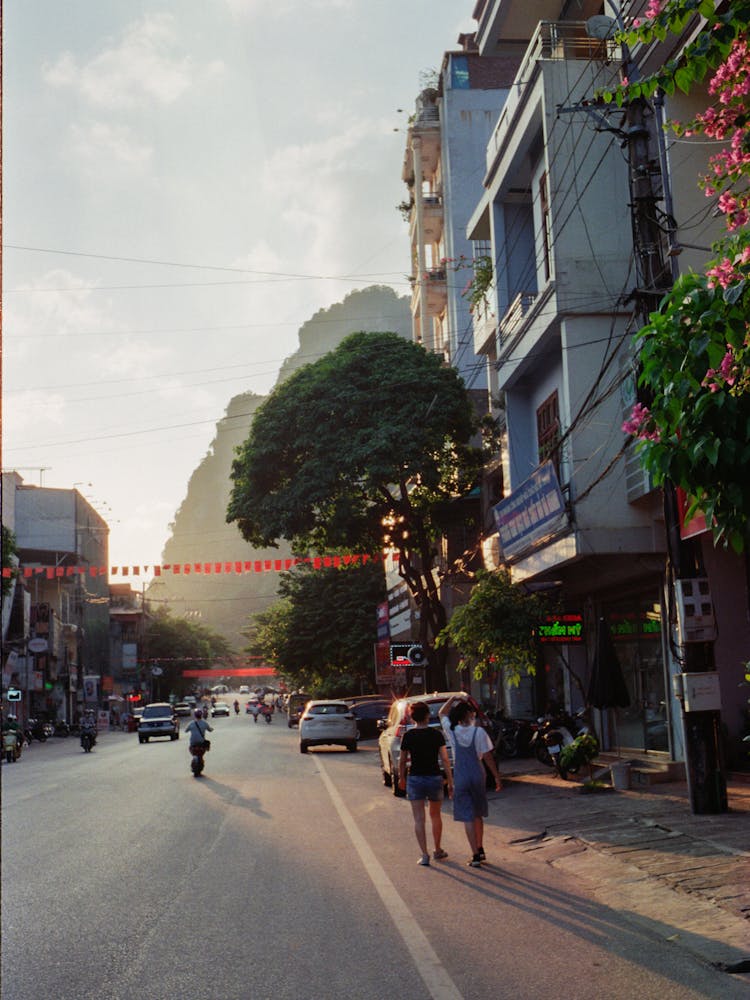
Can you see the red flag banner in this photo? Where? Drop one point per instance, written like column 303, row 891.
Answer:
column 205, row 569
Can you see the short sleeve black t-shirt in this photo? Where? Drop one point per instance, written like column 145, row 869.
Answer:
column 424, row 749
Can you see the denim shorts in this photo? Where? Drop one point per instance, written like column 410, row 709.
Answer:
column 424, row 786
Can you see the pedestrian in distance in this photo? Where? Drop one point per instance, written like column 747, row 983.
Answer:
column 422, row 748
column 472, row 748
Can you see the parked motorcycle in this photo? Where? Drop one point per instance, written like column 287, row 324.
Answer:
column 11, row 745
column 35, row 729
column 505, row 734
column 197, row 753
column 553, row 734
column 61, row 728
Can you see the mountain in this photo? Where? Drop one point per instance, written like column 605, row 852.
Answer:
column 199, row 532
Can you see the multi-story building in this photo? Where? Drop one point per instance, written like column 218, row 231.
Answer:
column 555, row 211
column 443, row 168
column 570, row 273
column 60, row 646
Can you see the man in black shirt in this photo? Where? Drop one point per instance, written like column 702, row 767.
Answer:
column 422, row 748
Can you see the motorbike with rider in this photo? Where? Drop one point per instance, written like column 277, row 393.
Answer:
column 199, row 745
column 88, row 731
column 12, row 737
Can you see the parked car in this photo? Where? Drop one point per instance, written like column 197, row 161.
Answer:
column 327, row 723
column 182, row 708
column 220, row 708
column 368, row 714
column 158, row 719
column 295, row 707
column 399, row 720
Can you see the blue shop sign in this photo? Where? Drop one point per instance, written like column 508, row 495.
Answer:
column 532, row 512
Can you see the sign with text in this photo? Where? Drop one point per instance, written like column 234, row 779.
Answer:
column 532, row 512
column 561, row 628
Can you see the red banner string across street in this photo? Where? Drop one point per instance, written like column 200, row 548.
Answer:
column 197, row 568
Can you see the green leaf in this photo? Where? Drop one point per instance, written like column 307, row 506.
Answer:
column 733, row 293
column 684, row 79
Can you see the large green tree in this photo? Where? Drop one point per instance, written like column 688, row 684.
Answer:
column 360, row 448
column 177, row 644
column 322, row 633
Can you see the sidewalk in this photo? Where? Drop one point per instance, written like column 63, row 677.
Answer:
column 686, row 876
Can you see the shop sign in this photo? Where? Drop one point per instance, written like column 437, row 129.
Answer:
column 628, row 626
column 561, row 628
column 531, row 513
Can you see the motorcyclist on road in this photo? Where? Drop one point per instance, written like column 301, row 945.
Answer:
column 10, row 725
column 236, row 707
column 197, row 728
column 88, row 725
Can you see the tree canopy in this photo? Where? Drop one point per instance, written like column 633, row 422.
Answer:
column 695, row 349
column 323, row 630
column 373, row 436
column 179, row 644
column 494, row 630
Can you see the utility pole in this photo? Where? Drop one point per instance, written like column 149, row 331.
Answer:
column 653, row 233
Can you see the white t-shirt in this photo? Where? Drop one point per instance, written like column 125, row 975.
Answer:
column 464, row 734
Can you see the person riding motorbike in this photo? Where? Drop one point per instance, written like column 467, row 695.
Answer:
column 88, row 728
column 11, row 738
column 236, row 707
column 197, row 728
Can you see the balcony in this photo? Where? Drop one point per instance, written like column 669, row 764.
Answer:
column 552, row 41
column 432, row 220
column 514, row 317
column 430, row 295
column 484, row 323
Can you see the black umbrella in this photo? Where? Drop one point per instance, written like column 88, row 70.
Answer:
column 607, row 688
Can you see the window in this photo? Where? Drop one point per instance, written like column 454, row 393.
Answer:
column 546, row 231
column 548, row 431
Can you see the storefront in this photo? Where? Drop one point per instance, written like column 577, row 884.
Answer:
column 635, row 627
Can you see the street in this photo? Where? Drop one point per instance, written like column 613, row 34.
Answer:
column 286, row 876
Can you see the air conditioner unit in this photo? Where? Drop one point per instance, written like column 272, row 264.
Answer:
column 695, row 610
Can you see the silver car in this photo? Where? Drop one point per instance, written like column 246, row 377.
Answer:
column 325, row 723
column 158, row 719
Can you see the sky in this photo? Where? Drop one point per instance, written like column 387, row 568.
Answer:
column 184, row 184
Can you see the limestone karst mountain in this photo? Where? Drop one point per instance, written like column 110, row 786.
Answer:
column 226, row 601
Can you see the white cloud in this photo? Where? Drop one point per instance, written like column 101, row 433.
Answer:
column 99, row 147
column 281, row 8
column 142, row 68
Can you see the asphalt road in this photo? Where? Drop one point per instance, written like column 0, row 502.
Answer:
column 286, row 876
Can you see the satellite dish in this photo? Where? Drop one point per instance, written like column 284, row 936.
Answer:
column 601, row 26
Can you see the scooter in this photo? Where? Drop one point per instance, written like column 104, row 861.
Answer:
column 555, row 733
column 88, row 739
column 267, row 715
column 11, row 746
column 197, row 753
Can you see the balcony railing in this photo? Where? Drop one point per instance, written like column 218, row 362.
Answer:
column 552, row 40
column 514, row 317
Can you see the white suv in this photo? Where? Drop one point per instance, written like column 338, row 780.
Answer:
column 327, row 722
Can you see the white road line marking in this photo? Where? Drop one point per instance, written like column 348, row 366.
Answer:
column 429, row 966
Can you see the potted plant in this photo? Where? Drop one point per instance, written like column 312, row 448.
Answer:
column 583, row 750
